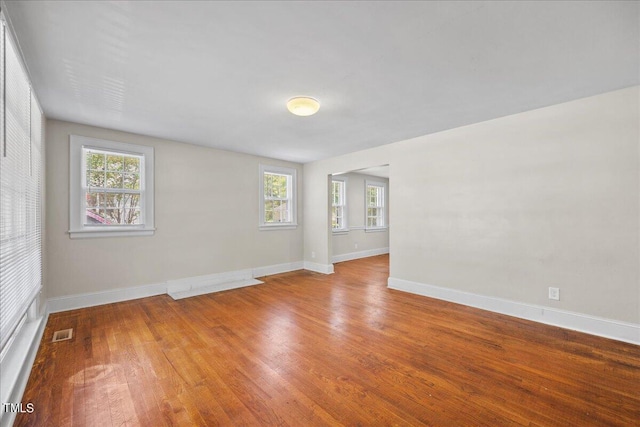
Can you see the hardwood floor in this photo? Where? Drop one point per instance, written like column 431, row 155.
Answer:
column 306, row 349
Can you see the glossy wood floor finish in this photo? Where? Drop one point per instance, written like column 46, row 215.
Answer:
column 306, row 349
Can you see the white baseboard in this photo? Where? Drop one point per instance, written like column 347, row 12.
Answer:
column 217, row 282
column 277, row 269
column 318, row 268
column 608, row 328
column 17, row 363
column 361, row 254
column 91, row 299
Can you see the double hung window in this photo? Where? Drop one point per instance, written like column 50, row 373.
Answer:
column 277, row 197
column 111, row 188
column 338, row 204
column 375, row 205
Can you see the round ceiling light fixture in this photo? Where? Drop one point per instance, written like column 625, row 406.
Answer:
column 303, row 106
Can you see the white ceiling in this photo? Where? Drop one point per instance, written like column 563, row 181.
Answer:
column 219, row 73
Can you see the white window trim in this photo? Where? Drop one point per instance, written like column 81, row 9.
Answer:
column 77, row 228
column 345, row 209
column 262, row 225
column 382, row 184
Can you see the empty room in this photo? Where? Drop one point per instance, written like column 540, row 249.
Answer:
column 319, row 213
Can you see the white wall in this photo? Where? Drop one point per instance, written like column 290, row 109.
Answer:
column 508, row 207
column 206, row 214
column 343, row 244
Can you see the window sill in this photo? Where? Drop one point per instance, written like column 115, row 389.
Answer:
column 376, row 230
column 88, row 234
column 268, row 227
column 342, row 231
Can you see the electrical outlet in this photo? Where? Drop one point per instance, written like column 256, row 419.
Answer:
column 554, row 293
column 313, row 254
column 356, row 246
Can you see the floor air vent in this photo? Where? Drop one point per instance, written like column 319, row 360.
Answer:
column 62, row 335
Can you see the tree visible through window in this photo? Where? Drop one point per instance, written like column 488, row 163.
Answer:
column 113, row 183
column 277, row 203
column 111, row 188
column 277, row 196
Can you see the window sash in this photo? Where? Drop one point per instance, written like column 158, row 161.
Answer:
column 375, row 205
column 123, row 211
column 338, row 208
column 284, row 214
column 337, row 218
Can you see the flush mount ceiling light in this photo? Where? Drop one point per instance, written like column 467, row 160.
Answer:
column 303, row 106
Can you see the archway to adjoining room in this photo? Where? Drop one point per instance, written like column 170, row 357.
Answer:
column 358, row 209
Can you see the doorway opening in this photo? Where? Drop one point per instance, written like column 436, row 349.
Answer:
column 359, row 213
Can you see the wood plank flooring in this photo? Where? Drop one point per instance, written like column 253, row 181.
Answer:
column 305, row 349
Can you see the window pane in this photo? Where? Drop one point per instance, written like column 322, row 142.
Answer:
column 281, row 211
column 277, row 211
column 95, row 161
column 131, row 216
column 132, row 164
column 337, row 217
column 113, row 200
column 93, row 200
column 96, row 217
column 268, row 185
column 280, row 185
column 268, row 213
column 132, row 181
column 95, row 179
column 267, row 180
column 113, row 215
column 375, row 196
column 115, row 162
column 132, row 200
column 275, row 186
column 114, row 179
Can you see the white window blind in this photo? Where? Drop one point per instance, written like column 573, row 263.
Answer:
column 20, row 191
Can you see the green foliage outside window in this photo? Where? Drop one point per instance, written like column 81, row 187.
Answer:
column 105, row 175
column 276, row 193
